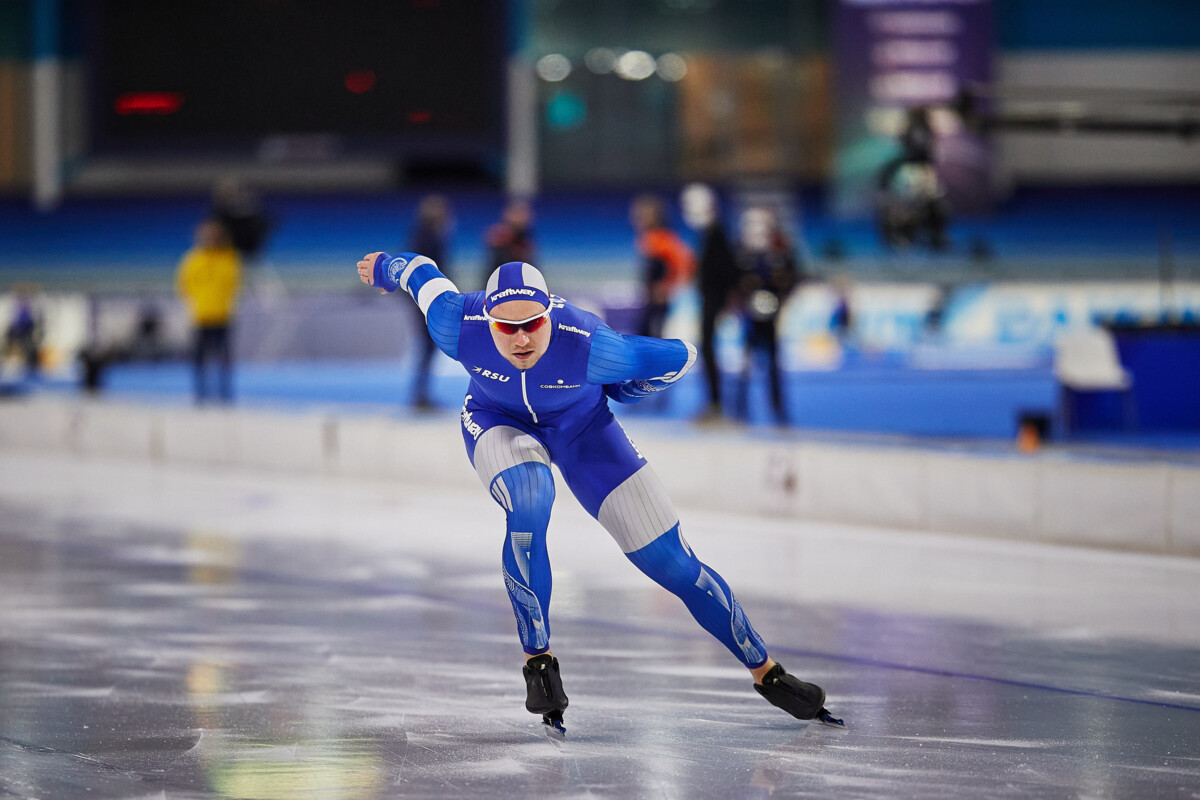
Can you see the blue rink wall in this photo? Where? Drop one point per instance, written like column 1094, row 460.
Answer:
column 1147, row 505
column 885, row 398
column 988, row 367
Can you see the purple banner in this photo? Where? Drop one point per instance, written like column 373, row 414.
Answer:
column 893, row 56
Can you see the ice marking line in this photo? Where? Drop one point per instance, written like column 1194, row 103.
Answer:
column 38, row 748
column 892, row 665
column 973, row 676
column 370, row 589
column 794, row 651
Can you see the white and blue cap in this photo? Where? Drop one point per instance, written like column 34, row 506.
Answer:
column 515, row 280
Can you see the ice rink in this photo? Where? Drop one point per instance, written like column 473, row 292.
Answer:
column 184, row 632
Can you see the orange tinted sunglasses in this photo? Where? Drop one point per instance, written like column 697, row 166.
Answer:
column 510, row 327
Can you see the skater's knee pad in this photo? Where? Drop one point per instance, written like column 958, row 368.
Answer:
column 637, row 511
column 526, row 492
column 500, row 447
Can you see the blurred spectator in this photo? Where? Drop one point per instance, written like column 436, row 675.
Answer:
column 667, row 263
column 912, row 206
column 769, row 274
column 430, row 237
column 208, row 280
column 23, row 337
column 147, row 342
column 841, row 321
column 718, row 275
column 916, row 143
column 240, row 210
column 935, row 317
column 510, row 239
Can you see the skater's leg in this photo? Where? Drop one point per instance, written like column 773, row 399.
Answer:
column 515, row 467
column 615, row 484
column 526, row 492
column 670, row 562
column 612, row 480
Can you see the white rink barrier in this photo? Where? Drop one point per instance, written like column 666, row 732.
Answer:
column 1146, row 506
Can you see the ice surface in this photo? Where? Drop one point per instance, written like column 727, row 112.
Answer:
column 187, row 633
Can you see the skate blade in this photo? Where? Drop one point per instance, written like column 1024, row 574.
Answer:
column 554, row 724
column 829, row 719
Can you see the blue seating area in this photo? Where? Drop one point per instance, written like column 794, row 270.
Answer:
column 585, row 233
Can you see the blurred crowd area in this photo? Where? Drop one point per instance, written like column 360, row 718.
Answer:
column 959, row 219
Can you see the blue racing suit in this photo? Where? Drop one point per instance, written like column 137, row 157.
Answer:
column 517, row 422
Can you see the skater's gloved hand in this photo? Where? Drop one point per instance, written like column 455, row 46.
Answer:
column 382, row 270
column 633, row 391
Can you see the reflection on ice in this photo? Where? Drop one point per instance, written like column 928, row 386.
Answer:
column 145, row 658
column 346, row 768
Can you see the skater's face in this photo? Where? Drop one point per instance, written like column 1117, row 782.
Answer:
column 521, row 331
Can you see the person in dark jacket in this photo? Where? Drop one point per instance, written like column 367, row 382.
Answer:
column 239, row 209
column 510, row 239
column 769, row 274
column 430, row 236
column 718, row 277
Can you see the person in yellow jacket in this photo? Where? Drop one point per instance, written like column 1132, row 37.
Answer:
column 208, row 280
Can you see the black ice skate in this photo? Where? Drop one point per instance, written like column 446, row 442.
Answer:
column 801, row 700
column 544, row 689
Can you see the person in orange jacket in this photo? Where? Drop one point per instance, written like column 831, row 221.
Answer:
column 667, row 263
column 209, row 279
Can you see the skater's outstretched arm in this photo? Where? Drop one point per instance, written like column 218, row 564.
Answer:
column 632, row 367
column 435, row 294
